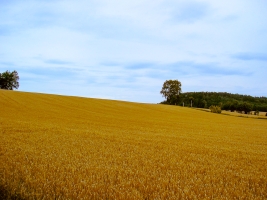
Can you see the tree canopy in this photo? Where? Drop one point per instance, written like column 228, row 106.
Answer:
column 171, row 90
column 227, row 101
column 9, row 80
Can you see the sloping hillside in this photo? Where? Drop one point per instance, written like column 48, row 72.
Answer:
column 62, row 147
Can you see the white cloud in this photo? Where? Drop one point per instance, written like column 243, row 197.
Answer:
column 126, row 50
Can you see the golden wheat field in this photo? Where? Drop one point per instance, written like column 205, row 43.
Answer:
column 58, row 147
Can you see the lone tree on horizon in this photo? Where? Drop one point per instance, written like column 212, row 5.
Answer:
column 171, row 90
column 9, row 80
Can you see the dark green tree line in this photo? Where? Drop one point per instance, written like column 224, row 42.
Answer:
column 227, row 101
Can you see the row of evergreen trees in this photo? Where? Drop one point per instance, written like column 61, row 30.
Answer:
column 226, row 101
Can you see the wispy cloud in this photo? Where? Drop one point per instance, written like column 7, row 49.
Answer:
column 212, row 69
column 7, row 64
column 138, row 66
column 189, row 12
column 58, row 62
column 251, row 56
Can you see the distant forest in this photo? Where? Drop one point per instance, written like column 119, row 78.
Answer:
column 226, row 101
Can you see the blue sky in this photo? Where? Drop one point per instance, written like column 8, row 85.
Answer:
column 125, row 50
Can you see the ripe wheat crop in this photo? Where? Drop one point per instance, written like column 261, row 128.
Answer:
column 58, row 147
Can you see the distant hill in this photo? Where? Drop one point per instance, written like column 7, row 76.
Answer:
column 223, row 99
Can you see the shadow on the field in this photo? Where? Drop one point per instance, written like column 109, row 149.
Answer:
column 5, row 194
